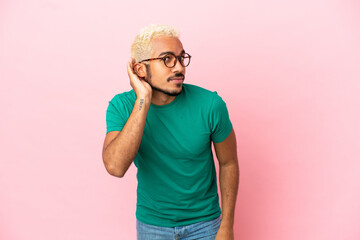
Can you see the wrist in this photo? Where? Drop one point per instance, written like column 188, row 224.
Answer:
column 143, row 101
column 227, row 223
column 143, row 96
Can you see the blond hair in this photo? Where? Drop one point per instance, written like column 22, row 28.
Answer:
column 141, row 47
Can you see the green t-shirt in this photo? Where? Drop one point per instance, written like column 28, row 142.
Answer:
column 175, row 167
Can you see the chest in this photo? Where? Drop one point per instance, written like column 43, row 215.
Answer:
column 177, row 133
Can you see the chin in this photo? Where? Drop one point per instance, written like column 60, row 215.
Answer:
column 174, row 93
column 170, row 92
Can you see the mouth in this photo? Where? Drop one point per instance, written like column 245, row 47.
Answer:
column 177, row 79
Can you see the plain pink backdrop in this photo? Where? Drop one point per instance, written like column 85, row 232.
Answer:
column 288, row 70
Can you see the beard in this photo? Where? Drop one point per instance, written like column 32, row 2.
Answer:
column 169, row 93
column 154, row 88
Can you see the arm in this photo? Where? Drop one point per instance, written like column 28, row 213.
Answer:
column 229, row 181
column 120, row 147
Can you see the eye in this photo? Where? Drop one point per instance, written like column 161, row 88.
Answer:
column 168, row 59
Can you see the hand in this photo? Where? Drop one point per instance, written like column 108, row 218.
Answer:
column 225, row 234
column 141, row 87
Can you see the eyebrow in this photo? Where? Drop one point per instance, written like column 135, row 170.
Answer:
column 169, row 52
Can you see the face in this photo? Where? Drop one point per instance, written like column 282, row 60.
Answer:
column 161, row 78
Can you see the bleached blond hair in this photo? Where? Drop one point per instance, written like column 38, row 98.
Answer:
column 141, row 47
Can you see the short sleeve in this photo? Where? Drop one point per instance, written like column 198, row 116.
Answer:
column 115, row 120
column 220, row 123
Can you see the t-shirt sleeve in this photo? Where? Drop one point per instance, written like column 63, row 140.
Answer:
column 219, row 120
column 115, row 119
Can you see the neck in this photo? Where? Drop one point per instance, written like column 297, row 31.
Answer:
column 159, row 98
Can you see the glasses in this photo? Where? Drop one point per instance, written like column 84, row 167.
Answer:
column 170, row 60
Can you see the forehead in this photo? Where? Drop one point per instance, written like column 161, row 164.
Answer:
column 166, row 44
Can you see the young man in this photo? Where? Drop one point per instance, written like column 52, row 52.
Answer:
column 166, row 127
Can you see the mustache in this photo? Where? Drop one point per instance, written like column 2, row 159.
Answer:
column 177, row 75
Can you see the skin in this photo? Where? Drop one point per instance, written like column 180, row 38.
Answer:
column 160, row 74
column 121, row 147
column 229, row 181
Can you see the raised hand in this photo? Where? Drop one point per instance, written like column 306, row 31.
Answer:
column 141, row 87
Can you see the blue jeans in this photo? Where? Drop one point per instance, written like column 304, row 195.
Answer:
column 201, row 230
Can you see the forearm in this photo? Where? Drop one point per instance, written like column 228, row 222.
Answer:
column 229, row 182
column 121, row 151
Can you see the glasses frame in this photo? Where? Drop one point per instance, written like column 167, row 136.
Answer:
column 176, row 59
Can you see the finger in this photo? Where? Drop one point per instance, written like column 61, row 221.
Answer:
column 132, row 76
column 130, row 68
column 132, row 62
column 132, row 65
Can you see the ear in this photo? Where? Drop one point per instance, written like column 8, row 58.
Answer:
column 140, row 70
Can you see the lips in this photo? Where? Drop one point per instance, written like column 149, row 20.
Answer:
column 177, row 79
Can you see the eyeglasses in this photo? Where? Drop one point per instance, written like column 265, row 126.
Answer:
column 170, row 60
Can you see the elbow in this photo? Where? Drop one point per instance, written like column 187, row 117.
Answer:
column 116, row 172
column 114, row 169
column 116, row 166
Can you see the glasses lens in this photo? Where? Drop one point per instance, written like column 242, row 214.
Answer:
column 169, row 60
column 185, row 60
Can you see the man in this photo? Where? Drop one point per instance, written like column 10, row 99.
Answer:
column 166, row 127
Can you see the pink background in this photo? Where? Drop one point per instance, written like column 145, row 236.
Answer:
column 288, row 70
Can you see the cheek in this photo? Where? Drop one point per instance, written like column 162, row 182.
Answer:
column 161, row 74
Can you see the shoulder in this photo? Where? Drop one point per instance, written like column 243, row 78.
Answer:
column 122, row 103
column 197, row 89
column 202, row 94
column 125, row 98
column 198, row 92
